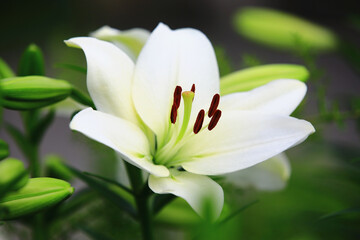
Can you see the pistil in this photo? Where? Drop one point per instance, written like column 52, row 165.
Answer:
column 188, row 97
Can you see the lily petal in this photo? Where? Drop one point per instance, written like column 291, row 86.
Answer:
column 269, row 175
column 170, row 58
column 202, row 193
column 109, row 76
column 119, row 134
column 278, row 97
column 240, row 140
column 130, row 41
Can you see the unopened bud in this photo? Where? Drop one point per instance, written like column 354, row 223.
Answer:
column 37, row 194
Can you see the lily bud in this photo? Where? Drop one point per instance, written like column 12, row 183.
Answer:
column 37, row 194
column 250, row 78
column 282, row 30
column 4, row 149
column 12, row 175
column 5, row 70
column 32, row 62
column 23, row 93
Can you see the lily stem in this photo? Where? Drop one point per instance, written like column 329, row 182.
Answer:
column 142, row 200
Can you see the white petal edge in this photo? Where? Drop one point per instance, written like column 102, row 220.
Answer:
column 120, row 135
column 278, row 97
column 240, row 140
column 202, row 193
column 169, row 58
column 270, row 175
column 109, row 76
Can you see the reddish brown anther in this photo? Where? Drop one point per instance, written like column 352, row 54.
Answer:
column 193, row 88
column 214, row 120
column 177, row 96
column 214, row 104
column 173, row 113
column 199, row 121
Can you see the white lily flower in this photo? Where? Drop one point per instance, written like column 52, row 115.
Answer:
column 162, row 114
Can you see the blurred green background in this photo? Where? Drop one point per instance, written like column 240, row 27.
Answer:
column 325, row 170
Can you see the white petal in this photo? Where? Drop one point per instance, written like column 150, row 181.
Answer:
column 170, row 58
column 269, row 175
column 130, row 41
column 119, row 134
column 109, row 76
column 278, row 97
column 203, row 194
column 240, row 140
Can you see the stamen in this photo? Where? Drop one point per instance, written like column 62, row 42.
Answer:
column 188, row 97
column 199, row 121
column 173, row 114
column 177, row 96
column 193, row 88
column 214, row 120
column 214, row 104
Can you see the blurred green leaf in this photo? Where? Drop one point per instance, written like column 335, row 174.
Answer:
column 19, row 138
column 238, row 211
column 80, row 97
column 109, row 181
column 249, row 78
column 71, row 67
column 4, row 149
column 282, row 30
column 32, row 62
column 95, row 235
column 55, row 167
column 42, row 125
column 107, row 192
column 160, row 201
column 340, row 213
column 223, row 60
column 5, row 70
column 37, row 194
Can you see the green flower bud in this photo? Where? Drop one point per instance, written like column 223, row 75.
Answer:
column 37, row 194
column 283, row 30
column 32, row 62
column 4, row 149
column 5, row 70
column 253, row 77
column 13, row 175
column 23, row 93
column 56, row 168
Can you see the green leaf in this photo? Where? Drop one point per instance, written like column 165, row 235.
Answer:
column 250, row 78
column 5, row 70
column 19, row 138
column 160, row 201
column 37, row 194
column 4, row 149
column 340, row 213
column 55, row 167
column 235, row 213
column 80, row 97
column 42, row 125
column 107, row 192
column 109, row 181
column 282, row 30
column 32, row 62
column 95, row 235
column 72, row 67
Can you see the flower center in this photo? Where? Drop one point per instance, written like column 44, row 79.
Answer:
column 177, row 135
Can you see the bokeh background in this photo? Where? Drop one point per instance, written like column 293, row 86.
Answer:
column 325, row 170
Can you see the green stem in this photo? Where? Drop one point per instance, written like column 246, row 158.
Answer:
column 39, row 229
column 141, row 195
column 33, row 158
